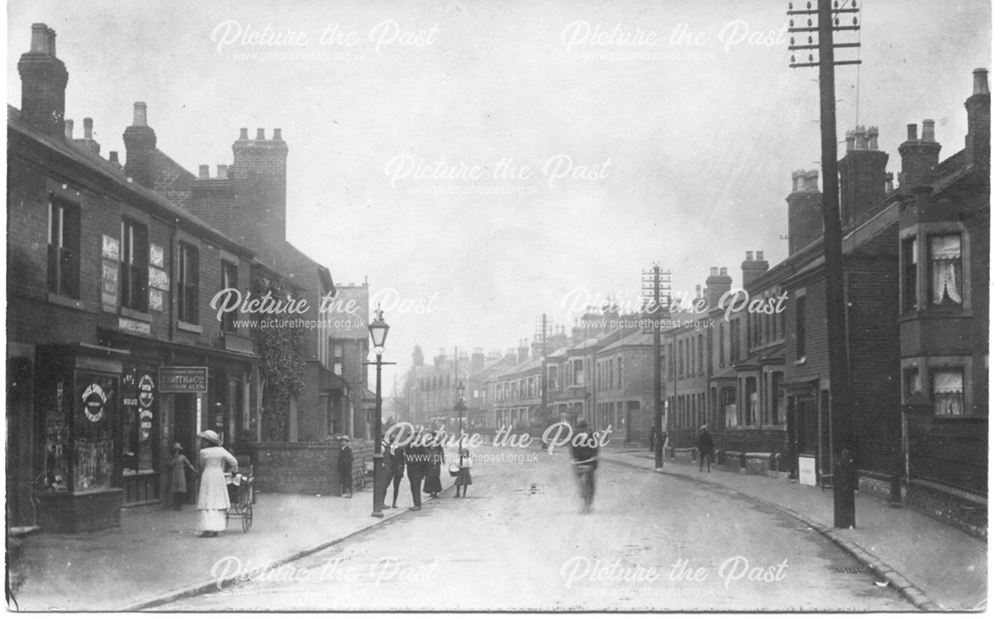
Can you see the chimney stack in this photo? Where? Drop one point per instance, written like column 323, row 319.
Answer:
column 43, row 83
column 862, row 174
column 259, row 181
column 753, row 268
column 222, row 171
column 69, row 129
column 113, row 159
column 977, row 107
column 805, row 210
column 203, row 172
column 140, row 147
column 88, row 142
column 918, row 157
column 717, row 284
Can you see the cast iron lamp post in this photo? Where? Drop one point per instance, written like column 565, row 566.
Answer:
column 461, row 408
column 378, row 329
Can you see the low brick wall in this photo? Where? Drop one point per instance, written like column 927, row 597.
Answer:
column 303, row 468
column 962, row 510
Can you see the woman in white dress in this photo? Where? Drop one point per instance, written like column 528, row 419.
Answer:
column 213, row 496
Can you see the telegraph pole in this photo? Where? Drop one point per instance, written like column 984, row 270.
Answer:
column 652, row 285
column 542, row 334
column 827, row 21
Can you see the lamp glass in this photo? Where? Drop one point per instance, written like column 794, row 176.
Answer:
column 379, row 330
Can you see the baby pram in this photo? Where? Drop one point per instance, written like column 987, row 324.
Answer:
column 240, row 487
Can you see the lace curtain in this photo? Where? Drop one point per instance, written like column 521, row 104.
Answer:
column 948, row 392
column 946, row 269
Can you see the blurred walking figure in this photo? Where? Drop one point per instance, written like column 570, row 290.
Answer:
column 464, row 478
column 706, row 448
column 584, row 448
column 213, row 495
column 179, row 466
column 345, row 467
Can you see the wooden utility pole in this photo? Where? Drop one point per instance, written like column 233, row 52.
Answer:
column 827, row 21
column 653, row 286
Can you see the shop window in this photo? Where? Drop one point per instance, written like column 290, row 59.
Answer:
column 64, row 249
column 946, row 269
column 230, row 279
column 908, row 287
column 187, row 283
column 948, row 391
column 751, row 387
column 777, row 398
column 134, row 265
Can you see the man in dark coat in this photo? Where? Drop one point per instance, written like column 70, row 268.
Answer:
column 584, row 449
column 396, row 459
column 416, row 466
column 345, row 466
column 706, row 448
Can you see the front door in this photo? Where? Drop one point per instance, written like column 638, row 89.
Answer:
column 21, row 438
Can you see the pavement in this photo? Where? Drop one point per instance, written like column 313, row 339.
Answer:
column 156, row 556
column 934, row 565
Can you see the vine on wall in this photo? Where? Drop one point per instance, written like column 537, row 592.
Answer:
column 281, row 367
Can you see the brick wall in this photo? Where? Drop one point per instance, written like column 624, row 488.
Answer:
column 302, row 468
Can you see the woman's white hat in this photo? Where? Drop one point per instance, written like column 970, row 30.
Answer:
column 210, row 435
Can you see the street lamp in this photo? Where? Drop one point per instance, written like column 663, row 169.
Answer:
column 378, row 329
column 460, row 407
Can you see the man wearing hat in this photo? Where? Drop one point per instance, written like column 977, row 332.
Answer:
column 345, row 466
column 584, row 448
column 213, row 495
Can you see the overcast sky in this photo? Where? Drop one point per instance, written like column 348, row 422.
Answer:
column 482, row 160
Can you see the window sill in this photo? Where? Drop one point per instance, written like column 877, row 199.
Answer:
column 801, row 361
column 137, row 315
column 71, row 303
column 187, row 326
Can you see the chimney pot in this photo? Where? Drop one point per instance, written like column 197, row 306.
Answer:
column 714, row 271
column 980, row 83
column 39, row 39
column 911, row 132
column 277, row 135
column 222, row 171
column 888, row 182
column 243, row 133
column 724, row 271
column 113, row 158
column 850, row 140
column 139, row 114
column 928, row 131
column 51, row 37
column 69, row 129
column 749, row 255
column 88, row 128
column 760, row 256
column 202, row 172
column 260, row 134
column 872, row 138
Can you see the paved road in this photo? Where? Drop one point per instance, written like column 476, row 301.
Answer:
column 518, row 542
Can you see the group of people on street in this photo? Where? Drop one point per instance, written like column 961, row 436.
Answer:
column 213, row 491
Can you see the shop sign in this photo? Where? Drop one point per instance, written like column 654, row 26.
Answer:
column 109, row 247
column 155, row 255
column 146, row 395
column 94, row 400
column 183, row 379
column 133, row 326
column 145, row 424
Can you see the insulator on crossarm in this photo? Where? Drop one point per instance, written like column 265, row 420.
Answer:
column 809, row 5
column 855, row 21
column 793, row 58
column 791, row 23
column 809, row 22
column 836, row 21
column 790, row 7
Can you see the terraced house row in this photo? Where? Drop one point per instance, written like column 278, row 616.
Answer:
column 113, row 350
column 916, row 273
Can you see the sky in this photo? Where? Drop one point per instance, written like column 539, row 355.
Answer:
column 484, row 162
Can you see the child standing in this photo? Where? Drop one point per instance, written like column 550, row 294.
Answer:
column 179, row 464
column 464, row 473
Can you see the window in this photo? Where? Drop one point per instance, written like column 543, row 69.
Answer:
column 338, row 358
column 751, row 386
column 800, row 327
column 948, row 394
column 670, row 360
column 230, row 279
column 134, row 265
column 701, row 354
column 911, row 383
column 777, row 398
column 187, row 283
column 734, row 341
column 578, row 371
column 64, row 249
column 621, row 370
column 946, row 269
column 721, row 336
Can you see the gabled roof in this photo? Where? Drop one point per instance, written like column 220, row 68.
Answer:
column 635, row 339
